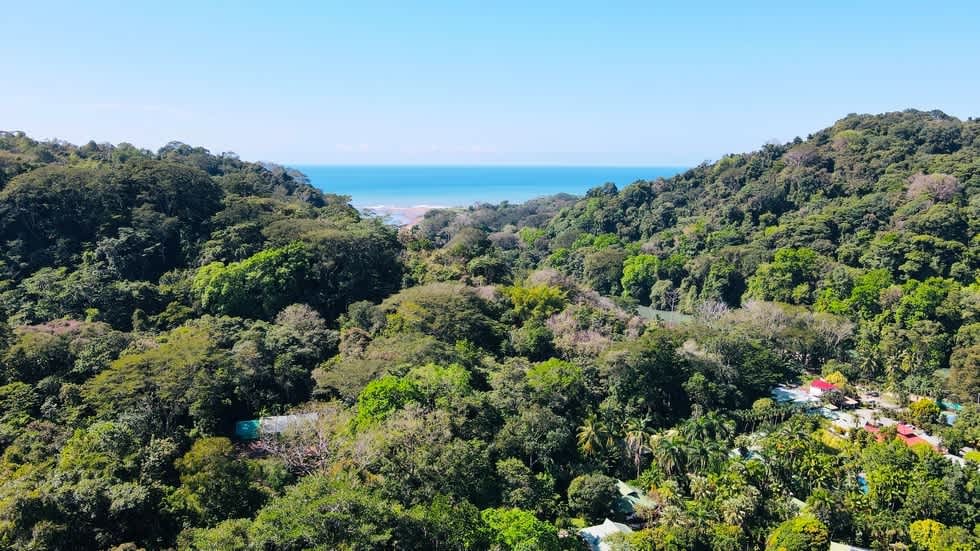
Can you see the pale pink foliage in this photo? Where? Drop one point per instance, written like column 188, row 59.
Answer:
column 940, row 187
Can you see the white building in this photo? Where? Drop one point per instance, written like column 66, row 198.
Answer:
column 595, row 535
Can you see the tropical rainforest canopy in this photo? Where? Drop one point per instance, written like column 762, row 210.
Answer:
column 483, row 379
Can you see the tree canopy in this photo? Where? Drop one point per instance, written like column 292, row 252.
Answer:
column 495, row 377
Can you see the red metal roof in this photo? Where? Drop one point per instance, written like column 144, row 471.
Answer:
column 905, row 434
column 822, row 384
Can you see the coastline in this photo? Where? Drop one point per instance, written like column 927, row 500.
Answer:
column 406, row 190
column 403, row 194
column 401, row 216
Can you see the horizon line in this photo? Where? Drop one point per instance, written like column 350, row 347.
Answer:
column 479, row 165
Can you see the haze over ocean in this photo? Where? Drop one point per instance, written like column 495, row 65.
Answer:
column 452, row 186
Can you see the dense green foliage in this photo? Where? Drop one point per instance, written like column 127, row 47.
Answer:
column 803, row 533
column 482, row 379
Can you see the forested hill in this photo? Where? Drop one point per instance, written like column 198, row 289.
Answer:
column 483, row 379
column 876, row 218
column 895, row 191
column 89, row 231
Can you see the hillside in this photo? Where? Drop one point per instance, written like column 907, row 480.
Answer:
column 875, row 219
column 483, row 380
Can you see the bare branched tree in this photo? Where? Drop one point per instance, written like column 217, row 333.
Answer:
column 308, row 446
column 940, row 187
column 712, row 310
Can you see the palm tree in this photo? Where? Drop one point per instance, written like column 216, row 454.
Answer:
column 668, row 452
column 822, row 503
column 636, row 439
column 869, row 364
column 815, row 470
column 593, row 436
column 711, row 425
column 725, row 427
column 703, row 455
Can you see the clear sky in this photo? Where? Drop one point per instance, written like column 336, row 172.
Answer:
column 462, row 82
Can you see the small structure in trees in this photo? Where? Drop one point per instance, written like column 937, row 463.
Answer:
column 595, row 536
column 253, row 429
column 820, row 386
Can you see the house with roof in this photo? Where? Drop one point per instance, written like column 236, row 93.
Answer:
column 837, row 546
column 630, row 499
column 905, row 433
column 819, row 386
column 875, row 430
column 909, row 435
column 785, row 394
column 595, row 536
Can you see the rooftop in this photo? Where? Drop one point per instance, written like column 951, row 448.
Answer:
column 632, row 497
column 905, row 430
column 837, row 546
column 594, row 535
column 254, row 428
column 822, row 384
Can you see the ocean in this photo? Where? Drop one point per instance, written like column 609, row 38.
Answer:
column 383, row 188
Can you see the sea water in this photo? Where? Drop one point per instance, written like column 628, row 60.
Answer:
column 387, row 187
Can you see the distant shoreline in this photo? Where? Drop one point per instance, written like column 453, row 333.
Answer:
column 402, row 216
column 405, row 192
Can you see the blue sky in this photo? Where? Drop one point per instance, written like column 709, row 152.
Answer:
column 477, row 82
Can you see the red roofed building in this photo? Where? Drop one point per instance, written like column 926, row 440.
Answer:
column 819, row 386
column 904, row 430
column 875, row 430
column 907, row 434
